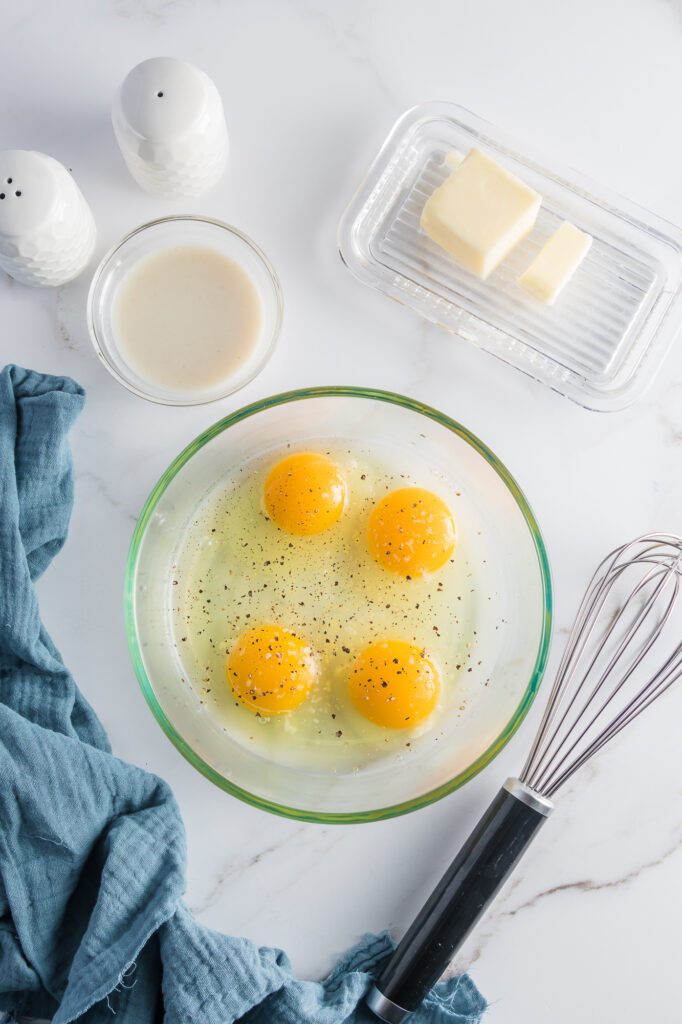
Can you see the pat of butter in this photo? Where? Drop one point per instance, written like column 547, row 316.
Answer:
column 556, row 263
column 453, row 159
column 480, row 213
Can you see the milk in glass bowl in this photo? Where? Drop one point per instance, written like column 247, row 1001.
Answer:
column 184, row 310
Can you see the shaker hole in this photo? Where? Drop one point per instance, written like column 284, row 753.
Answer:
column 9, row 181
column 17, row 194
column 159, row 94
column 2, row 195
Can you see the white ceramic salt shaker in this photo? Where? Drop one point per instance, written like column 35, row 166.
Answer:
column 169, row 122
column 47, row 231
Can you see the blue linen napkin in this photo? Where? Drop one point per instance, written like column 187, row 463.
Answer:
column 93, row 927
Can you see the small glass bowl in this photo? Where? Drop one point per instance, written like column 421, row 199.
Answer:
column 162, row 234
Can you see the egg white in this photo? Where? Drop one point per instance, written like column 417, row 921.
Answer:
column 235, row 568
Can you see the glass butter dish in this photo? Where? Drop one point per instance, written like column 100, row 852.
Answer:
column 605, row 337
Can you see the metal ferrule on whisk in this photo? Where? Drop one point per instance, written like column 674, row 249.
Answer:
column 519, row 790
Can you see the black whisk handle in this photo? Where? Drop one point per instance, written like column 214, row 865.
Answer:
column 473, row 879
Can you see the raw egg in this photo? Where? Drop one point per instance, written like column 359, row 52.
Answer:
column 394, row 684
column 305, row 493
column 271, row 670
column 411, row 531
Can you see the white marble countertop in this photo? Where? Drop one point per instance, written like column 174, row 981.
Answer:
column 589, row 928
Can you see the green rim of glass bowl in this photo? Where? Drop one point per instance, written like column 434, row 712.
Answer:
column 543, row 648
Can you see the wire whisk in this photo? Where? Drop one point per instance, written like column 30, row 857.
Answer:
column 624, row 650
column 609, row 673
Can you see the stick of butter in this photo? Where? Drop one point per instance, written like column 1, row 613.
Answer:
column 480, row 213
column 556, row 263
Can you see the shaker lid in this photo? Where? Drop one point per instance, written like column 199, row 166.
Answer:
column 163, row 97
column 31, row 185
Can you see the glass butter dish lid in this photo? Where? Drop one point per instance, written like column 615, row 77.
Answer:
column 605, row 337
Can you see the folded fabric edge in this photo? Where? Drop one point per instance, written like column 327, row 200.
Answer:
column 458, row 988
column 40, row 383
column 114, row 980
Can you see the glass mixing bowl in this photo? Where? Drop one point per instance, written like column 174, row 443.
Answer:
column 512, row 608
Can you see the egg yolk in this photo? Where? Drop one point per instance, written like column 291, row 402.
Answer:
column 411, row 531
column 271, row 669
column 394, row 684
column 305, row 493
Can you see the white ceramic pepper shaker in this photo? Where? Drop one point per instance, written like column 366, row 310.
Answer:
column 169, row 122
column 47, row 231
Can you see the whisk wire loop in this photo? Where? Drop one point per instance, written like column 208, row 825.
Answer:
column 560, row 754
column 627, row 607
